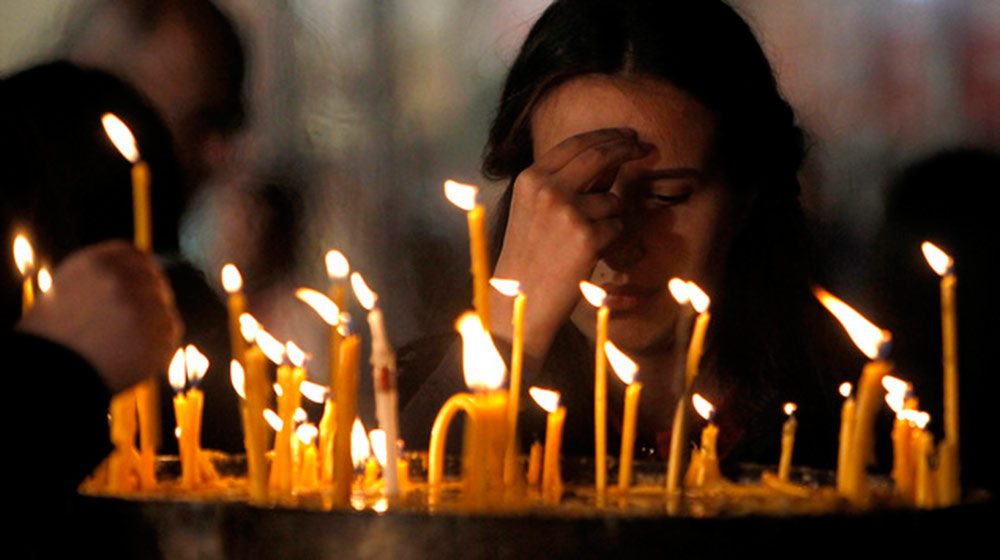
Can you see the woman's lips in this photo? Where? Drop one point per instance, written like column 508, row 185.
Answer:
column 626, row 297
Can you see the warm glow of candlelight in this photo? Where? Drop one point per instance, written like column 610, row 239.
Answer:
column 593, row 293
column 679, row 289
column 238, row 378
column 273, row 420
column 866, row 336
column 508, row 288
column 460, row 194
column 120, row 136
column 44, row 280
column 845, row 389
column 547, row 399
column 274, row 350
column 790, row 408
column 300, row 415
column 919, row 418
column 307, row 433
column 249, row 327
column 196, row 363
column 624, row 367
column 321, row 304
column 232, row 280
column 940, row 261
column 703, row 407
column 295, row 354
column 360, row 448
column 378, row 442
column 313, row 392
column 484, row 368
column 24, row 255
column 176, row 374
column 366, row 297
column 337, row 266
column 699, row 299
column 896, row 391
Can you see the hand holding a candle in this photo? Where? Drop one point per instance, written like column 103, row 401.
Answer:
column 113, row 305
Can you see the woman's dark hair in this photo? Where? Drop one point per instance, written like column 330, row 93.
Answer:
column 706, row 49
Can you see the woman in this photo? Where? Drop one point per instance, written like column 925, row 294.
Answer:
column 645, row 140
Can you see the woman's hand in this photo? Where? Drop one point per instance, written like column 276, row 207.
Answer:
column 112, row 305
column 562, row 216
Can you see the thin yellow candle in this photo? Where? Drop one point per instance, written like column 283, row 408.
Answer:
column 256, row 395
column 906, row 441
column 232, row 282
column 950, row 489
column 327, row 428
column 337, row 269
column 874, row 343
column 535, row 464
column 595, row 295
column 186, row 370
column 464, row 196
column 846, row 433
column 787, row 442
column 511, row 288
column 902, row 467
column 346, row 393
column 686, row 292
column 551, row 472
column 24, row 258
column 308, row 478
column 704, row 468
column 290, row 377
column 926, row 490
column 626, row 370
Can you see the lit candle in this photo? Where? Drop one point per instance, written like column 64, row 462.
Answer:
column 512, row 288
column 346, row 394
column 595, row 295
column 290, row 376
column 232, row 283
column 44, row 280
column 686, row 292
column 308, row 478
column 551, row 475
column 626, row 370
column 185, row 373
column 926, row 490
column 256, row 396
column 950, row 491
column 383, row 361
column 337, row 269
column 846, row 433
column 903, row 468
column 464, row 196
column 486, row 407
column 24, row 258
column 704, row 468
column 787, row 442
column 874, row 343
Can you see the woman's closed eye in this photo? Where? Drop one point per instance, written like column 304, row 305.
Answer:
column 657, row 197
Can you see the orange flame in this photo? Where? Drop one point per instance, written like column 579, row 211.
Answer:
column 366, row 297
column 870, row 339
column 196, row 363
column 460, row 194
column 508, row 288
column 176, row 373
column 120, row 136
column 378, row 442
column 624, row 367
column 44, row 280
column 24, row 255
column 940, row 261
column 249, row 327
column 273, row 420
column 360, row 448
column 790, row 408
column 313, row 392
column 593, row 293
column 238, row 378
column 919, row 418
column 322, row 305
column 703, row 407
column 337, row 266
column 278, row 390
column 295, row 354
column 484, row 368
column 547, row 399
column 679, row 289
column 300, row 415
column 307, row 433
column 689, row 292
column 274, row 350
column 845, row 389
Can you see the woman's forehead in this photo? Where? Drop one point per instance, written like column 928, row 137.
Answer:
column 661, row 113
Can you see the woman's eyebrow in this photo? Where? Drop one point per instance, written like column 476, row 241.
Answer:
column 675, row 173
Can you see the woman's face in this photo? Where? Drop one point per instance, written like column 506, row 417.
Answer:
column 678, row 214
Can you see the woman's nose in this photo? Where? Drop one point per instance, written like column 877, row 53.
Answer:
column 627, row 250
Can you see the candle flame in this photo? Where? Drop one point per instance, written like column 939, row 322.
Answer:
column 547, row 399
column 196, row 362
column 278, row 390
column 360, row 448
column 699, row 299
column 273, row 420
column 24, row 255
column 790, row 408
column 366, row 297
column 337, row 266
column 378, row 442
column 322, row 305
column 508, row 288
column 460, row 194
column 248, row 327
column 177, row 432
column 593, row 293
column 866, row 336
column 238, row 378
column 896, row 391
column 120, row 136
column 232, row 280
column 484, row 368
column 274, row 350
column 295, row 354
column 44, row 280
column 300, row 415
column 940, row 261
column 176, row 374
column 919, row 418
column 703, row 407
column 313, row 392
column 307, row 433
column 679, row 289
column 845, row 389
column 624, row 367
